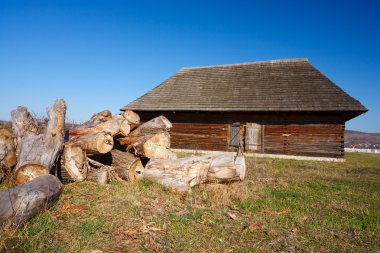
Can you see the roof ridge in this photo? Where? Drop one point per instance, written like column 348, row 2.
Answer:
column 250, row 63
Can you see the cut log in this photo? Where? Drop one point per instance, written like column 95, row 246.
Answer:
column 96, row 143
column 7, row 153
column 95, row 120
column 37, row 153
column 182, row 174
column 125, row 164
column 157, row 125
column 153, row 146
column 151, row 139
column 72, row 161
column 114, row 125
column 22, row 202
column 240, row 167
column 131, row 117
column 97, row 171
column 125, row 128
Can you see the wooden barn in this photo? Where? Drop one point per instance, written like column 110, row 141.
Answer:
column 280, row 107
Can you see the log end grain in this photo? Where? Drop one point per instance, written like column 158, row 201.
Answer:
column 131, row 117
column 125, row 127
column 136, row 170
column 30, row 171
column 157, row 146
column 104, row 142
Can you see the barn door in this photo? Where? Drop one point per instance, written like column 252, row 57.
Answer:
column 253, row 137
column 234, row 135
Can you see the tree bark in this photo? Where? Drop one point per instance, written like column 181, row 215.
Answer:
column 72, row 161
column 7, row 153
column 95, row 143
column 182, row 174
column 22, row 202
column 37, row 153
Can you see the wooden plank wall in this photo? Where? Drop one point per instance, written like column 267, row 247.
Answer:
column 324, row 140
column 200, row 136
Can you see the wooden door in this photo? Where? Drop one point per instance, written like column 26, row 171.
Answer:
column 253, row 137
column 235, row 135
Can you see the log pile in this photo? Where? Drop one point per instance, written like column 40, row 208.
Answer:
column 105, row 148
column 90, row 144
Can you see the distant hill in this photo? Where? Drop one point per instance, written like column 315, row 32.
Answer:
column 356, row 139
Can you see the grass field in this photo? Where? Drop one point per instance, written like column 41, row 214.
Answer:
column 282, row 206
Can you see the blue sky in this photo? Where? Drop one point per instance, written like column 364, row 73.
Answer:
column 104, row 54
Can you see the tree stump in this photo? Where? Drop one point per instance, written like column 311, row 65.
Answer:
column 37, row 153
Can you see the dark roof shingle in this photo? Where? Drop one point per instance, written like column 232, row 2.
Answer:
column 279, row 85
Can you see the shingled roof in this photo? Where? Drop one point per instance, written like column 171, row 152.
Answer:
column 278, row 85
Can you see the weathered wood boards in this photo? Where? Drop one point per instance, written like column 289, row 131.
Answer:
column 253, row 136
column 22, row 202
column 200, row 136
column 37, row 153
column 182, row 174
column 324, row 140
